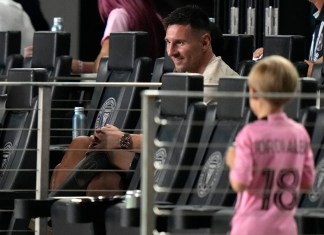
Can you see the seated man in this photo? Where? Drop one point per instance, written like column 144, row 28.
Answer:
column 188, row 43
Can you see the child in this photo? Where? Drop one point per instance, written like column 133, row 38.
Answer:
column 272, row 161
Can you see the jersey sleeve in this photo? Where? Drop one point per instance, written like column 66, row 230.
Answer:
column 118, row 21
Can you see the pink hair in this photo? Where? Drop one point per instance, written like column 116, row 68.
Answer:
column 143, row 17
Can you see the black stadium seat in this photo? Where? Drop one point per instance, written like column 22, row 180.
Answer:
column 291, row 47
column 237, row 48
column 18, row 139
column 10, row 56
column 51, row 50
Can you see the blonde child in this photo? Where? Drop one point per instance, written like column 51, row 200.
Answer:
column 272, row 160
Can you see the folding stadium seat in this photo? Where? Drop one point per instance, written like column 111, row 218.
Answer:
column 128, row 62
column 237, row 48
column 10, row 51
column 208, row 184
column 51, row 50
column 245, row 67
column 18, row 139
column 291, row 47
column 161, row 66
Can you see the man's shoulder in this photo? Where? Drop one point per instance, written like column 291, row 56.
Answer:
column 6, row 6
column 221, row 66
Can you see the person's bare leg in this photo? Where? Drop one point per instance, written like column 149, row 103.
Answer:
column 76, row 152
column 106, row 184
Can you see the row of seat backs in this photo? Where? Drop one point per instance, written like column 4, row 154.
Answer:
column 185, row 117
column 212, row 114
column 220, row 126
column 238, row 50
column 132, row 66
column 207, row 181
column 292, row 47
column 50, row 50
column 183, row 114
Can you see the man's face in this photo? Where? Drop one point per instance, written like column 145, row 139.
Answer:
column 185, row 48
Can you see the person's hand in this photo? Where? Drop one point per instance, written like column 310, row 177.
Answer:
column 310, row 67
column 258, row 54
column 230, row 157
column 28, row 51
column 107, row 137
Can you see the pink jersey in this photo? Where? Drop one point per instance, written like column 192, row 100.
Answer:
column 273, row 158
column 118, row 21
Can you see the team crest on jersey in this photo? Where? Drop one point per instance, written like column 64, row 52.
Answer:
column 105, row 113
column 159, row 161
column 210, row 174
column 318, row 185
column 5, row 156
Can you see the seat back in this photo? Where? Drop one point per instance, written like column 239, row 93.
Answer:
column 128, row 62
column 296, row 107
column 51, row 50
column 245, row 67
column 208, row 180
column 178, row 139
column 291, row 47
column 237, row 48
column 161, row 66
column 18, row 139
column 10, row 51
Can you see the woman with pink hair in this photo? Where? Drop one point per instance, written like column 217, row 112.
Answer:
column 126, row 15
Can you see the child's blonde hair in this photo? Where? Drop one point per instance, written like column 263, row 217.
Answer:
column 274, row 74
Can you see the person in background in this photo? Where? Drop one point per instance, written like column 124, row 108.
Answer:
column 272, row 160
column 126, row 15
column 188, row 43
column 33, row 9
column 316, row 48
column 121, row 16
column 14, row 18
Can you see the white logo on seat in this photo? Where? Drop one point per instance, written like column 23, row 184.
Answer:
column 159, row 161
column 105, row 113
column 5, row 156
column 210, row 174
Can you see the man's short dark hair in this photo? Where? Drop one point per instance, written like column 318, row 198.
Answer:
column 189, row 15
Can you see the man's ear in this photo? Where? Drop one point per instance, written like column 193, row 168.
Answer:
column 206, row 40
